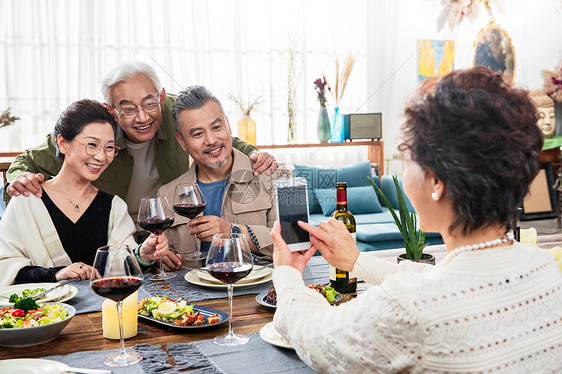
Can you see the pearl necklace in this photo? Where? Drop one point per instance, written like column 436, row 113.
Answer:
column 475, row 247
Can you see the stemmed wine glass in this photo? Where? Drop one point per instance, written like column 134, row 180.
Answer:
column 116, row 275
column 229, row 260
column 155, row 216
column 189, row 202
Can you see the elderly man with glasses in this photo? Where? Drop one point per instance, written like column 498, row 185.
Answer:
column 150, row 155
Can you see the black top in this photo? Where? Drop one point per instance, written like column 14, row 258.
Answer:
column 79, row 240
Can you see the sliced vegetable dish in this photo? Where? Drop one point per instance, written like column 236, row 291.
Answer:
column 178, row 313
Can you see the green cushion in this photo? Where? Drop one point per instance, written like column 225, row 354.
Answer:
column 360, row 200
column 323, row 178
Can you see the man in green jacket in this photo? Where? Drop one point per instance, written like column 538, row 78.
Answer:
column 146, row 135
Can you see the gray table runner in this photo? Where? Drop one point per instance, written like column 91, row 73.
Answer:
column 86, row 301
column 257, row 356
column 154, row 360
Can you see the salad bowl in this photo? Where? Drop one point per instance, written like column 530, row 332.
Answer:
column 34, row 335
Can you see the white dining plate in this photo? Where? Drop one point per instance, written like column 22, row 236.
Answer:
column 31, row 366
column 72, row 291
column 270, row 335
column 55, row 295
column 193, row 278
column 257, row 272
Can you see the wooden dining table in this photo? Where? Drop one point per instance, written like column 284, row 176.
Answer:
column 84, row 332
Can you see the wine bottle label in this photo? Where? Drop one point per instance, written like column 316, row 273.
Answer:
column 354, row 236
column 332, row 274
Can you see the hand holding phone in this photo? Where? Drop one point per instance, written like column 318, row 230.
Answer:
column 292, row 206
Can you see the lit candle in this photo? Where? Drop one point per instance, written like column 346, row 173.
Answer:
column 528, row 236
column 110, row 321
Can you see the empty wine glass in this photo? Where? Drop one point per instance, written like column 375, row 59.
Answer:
column 155, row 216
column 229, row 260
column 189, row 202
column 116, row 275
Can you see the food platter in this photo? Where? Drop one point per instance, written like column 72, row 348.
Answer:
column 270, row 335
column 262, row 300
column 61, row 294
column 193, row 278
column 31, row 366
column 206, row 312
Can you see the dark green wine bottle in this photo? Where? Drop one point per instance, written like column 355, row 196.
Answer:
column 340, row 279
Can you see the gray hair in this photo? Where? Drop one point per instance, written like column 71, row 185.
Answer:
column 125, row 71
column 193, row 97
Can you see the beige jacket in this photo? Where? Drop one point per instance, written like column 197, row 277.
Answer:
column 248, row 200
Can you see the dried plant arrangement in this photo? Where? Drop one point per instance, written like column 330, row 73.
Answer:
column 553, row 83
column 292, row 82
column 6, row 119
column 246, row 106
column 342, row 77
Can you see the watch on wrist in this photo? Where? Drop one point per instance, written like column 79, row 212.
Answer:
column 235, row 229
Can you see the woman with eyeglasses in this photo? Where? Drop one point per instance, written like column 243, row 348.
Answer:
column 55, row 236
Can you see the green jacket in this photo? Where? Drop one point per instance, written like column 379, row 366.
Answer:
column 171, row 160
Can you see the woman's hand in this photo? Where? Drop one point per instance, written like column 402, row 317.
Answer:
column 282, row 255
column 335, row 243
column 156, row 246
column 76, row 269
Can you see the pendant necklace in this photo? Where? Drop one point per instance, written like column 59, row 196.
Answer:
column 76, row 206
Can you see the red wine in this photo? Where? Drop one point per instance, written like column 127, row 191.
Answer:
column 156, row 225
column 189, row 210
column 117, row 288
column 229, row 272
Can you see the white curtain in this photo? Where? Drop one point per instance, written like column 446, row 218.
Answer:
column 55, row 52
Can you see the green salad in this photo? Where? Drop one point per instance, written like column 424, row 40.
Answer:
column 168, row 310
column 25, row 293
column 27, row 313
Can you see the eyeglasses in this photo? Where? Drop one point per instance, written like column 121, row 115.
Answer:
column 130, row 112
column 93, row 148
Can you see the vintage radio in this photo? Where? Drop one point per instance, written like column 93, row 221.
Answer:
column 364, row 126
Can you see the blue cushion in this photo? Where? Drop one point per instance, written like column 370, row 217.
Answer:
column 360, row 200
column 321, row 178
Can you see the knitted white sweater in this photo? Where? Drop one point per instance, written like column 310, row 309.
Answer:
column 495, row 310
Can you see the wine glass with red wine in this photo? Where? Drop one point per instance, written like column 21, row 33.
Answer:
column 116, row 275
column 155, row 216
column 189, row 202
column 229, row 260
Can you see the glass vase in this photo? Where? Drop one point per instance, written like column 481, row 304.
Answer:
column 338, row 127
column 323, row 129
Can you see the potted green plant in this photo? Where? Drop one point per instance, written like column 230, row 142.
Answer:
column 414, row 238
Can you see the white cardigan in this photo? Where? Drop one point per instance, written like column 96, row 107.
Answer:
column 498, row 309
column 28, row 236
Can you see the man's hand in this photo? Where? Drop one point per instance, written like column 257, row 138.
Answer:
column 25, row 184
column 282, row 255
column 204, row 227
column 263, row 161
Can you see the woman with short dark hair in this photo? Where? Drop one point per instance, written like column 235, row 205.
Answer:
column 55, row 236
column 471, row 148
